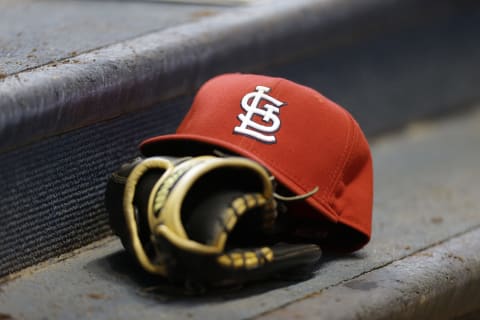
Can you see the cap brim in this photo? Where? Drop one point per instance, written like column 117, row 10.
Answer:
column 191, row 145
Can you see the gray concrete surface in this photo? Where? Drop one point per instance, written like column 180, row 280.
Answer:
column 424, row 254
column 35, row 32
column 145, row 52
column 442, row 282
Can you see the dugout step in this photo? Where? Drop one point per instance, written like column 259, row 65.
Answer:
column 423, row 260
column 75, row 103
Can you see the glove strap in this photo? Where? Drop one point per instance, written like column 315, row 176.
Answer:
column 130, row 212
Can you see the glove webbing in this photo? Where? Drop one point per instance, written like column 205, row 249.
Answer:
column 161, row 195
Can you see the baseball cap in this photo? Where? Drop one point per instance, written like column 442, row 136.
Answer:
column 305, row 140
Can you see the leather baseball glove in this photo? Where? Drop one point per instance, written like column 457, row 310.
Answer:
column 205, row 220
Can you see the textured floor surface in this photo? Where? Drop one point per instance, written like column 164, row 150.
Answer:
column 426, row 230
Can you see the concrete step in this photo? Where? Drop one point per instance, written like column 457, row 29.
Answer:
column 79, row 88
column 82, row 82
column 423, row 261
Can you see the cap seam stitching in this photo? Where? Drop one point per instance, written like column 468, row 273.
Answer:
column 348, row 160
column 336, row 174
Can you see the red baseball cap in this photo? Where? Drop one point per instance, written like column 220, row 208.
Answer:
column 304, row 139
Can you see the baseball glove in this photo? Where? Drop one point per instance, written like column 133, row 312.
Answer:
column 208, row 221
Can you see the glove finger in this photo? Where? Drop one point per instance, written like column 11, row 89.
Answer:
column 268, row 260
column 228, row 212
column 242, row 265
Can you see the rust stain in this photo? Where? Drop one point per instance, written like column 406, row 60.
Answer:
column 97, row 296
column 436, row 220
column 203, row 13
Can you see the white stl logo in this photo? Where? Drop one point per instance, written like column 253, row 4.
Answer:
column 268, row 111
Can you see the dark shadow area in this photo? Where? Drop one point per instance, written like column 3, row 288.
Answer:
column 333, row 256
column 121, row 268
